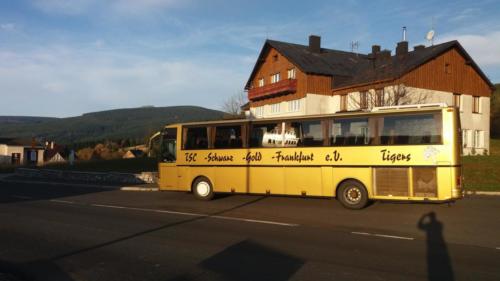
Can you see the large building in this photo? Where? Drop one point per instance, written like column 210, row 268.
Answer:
column 291, row 80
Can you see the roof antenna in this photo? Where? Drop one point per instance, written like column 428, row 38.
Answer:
column 354, row 46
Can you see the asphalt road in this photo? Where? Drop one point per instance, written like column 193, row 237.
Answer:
column 76, row 233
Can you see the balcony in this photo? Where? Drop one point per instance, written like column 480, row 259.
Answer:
column 279, row 88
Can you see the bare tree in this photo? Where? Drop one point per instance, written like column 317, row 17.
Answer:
column 393, row 95
column 233, row 104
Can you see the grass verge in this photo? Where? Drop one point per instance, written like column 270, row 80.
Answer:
column 483, row 172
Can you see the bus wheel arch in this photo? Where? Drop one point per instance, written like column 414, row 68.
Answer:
column 202, row 188
column 352, row 194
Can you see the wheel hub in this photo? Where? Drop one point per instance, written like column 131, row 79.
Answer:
column 203, row 189
column 353, row 194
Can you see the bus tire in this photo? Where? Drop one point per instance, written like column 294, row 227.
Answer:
column 203, row 188
column 352, row 194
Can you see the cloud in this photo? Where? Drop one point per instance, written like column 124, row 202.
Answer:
column 108, row 7
column 63, row 81
column 7, row 26
column 64, row 7
column 484, row 48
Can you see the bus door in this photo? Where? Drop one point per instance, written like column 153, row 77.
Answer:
column 168, row 158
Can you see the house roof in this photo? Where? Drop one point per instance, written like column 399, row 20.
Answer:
column 20, row 142
column 354, row 68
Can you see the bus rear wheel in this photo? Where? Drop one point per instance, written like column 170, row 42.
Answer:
column 203, row 189
column 352, row 195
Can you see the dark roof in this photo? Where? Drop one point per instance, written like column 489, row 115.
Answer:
column 19, row 142
column 51, row 152
column 351, row 69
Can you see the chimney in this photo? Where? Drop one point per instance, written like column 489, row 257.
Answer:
column 52, row 144
column 315, row 44
column 418, row 48
column 385, row 55
column 375, row 51
column 402, row 48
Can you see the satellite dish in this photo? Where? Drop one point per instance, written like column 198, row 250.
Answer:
column 430, row 36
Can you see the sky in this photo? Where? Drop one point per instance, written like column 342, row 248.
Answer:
column 63, row 58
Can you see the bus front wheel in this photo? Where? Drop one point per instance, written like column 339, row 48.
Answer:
column 352, row 195
column 202, row 188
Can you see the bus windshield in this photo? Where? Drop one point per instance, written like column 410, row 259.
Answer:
column 169, row 145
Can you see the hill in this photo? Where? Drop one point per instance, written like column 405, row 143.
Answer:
column 131, row 123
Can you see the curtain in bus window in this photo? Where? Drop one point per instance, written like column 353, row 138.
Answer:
column 266, row 135
column 304, row 133
column 353, row 131
column 411, row 129
column 196, row 138
column 228, row 137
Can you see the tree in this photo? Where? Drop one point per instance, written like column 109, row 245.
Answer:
column 233, row 104
column 393, row 95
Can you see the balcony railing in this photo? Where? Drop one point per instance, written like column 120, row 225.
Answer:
column 282, row 87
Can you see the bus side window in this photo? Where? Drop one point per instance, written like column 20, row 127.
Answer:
column 305, row 133
column 266, row 135
column 411, row 129
column 349, row 132
column 195, row 138
column 228, row 137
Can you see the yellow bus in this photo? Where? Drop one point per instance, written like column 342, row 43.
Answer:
column 407, row 153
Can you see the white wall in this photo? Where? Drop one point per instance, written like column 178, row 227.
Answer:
column 314, row 104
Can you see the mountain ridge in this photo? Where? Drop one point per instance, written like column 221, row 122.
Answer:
column 121, row 123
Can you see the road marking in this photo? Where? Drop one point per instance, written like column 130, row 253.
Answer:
column 22, row 197
column 383, row 235
column 361, row 233
column 62, row 201
column 394, row 237
column 196, row 215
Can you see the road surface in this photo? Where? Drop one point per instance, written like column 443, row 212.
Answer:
column 77, row 233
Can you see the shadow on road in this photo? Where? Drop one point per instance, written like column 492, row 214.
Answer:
column 438, row 260
column 22, row 192
column 32, row 271
column 246, row 260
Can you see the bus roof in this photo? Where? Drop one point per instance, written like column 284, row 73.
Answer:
column 378, row 111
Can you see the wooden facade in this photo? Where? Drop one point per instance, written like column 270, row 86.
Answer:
column 273, row 63
column 449, row 72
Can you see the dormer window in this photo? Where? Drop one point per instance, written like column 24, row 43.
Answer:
column 291, row 73
column 275, row 78
column 261, row 82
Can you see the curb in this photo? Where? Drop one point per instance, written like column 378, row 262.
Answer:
column 61, row 184
column 110, row 187
column 489, row 193
column 135, row 188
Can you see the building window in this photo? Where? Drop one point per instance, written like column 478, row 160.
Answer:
column 379, row 97
column 363, row 100
column 275, row 78
column 456, row 101
column 259, row 111
column 343, row 103
column 447, row 68
column 275, row 58
column 475, row 105
column 275, row 108
column 465, row 140
column 291, row 73
column 261, row 82
column 478, row 139
column 294, row 105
